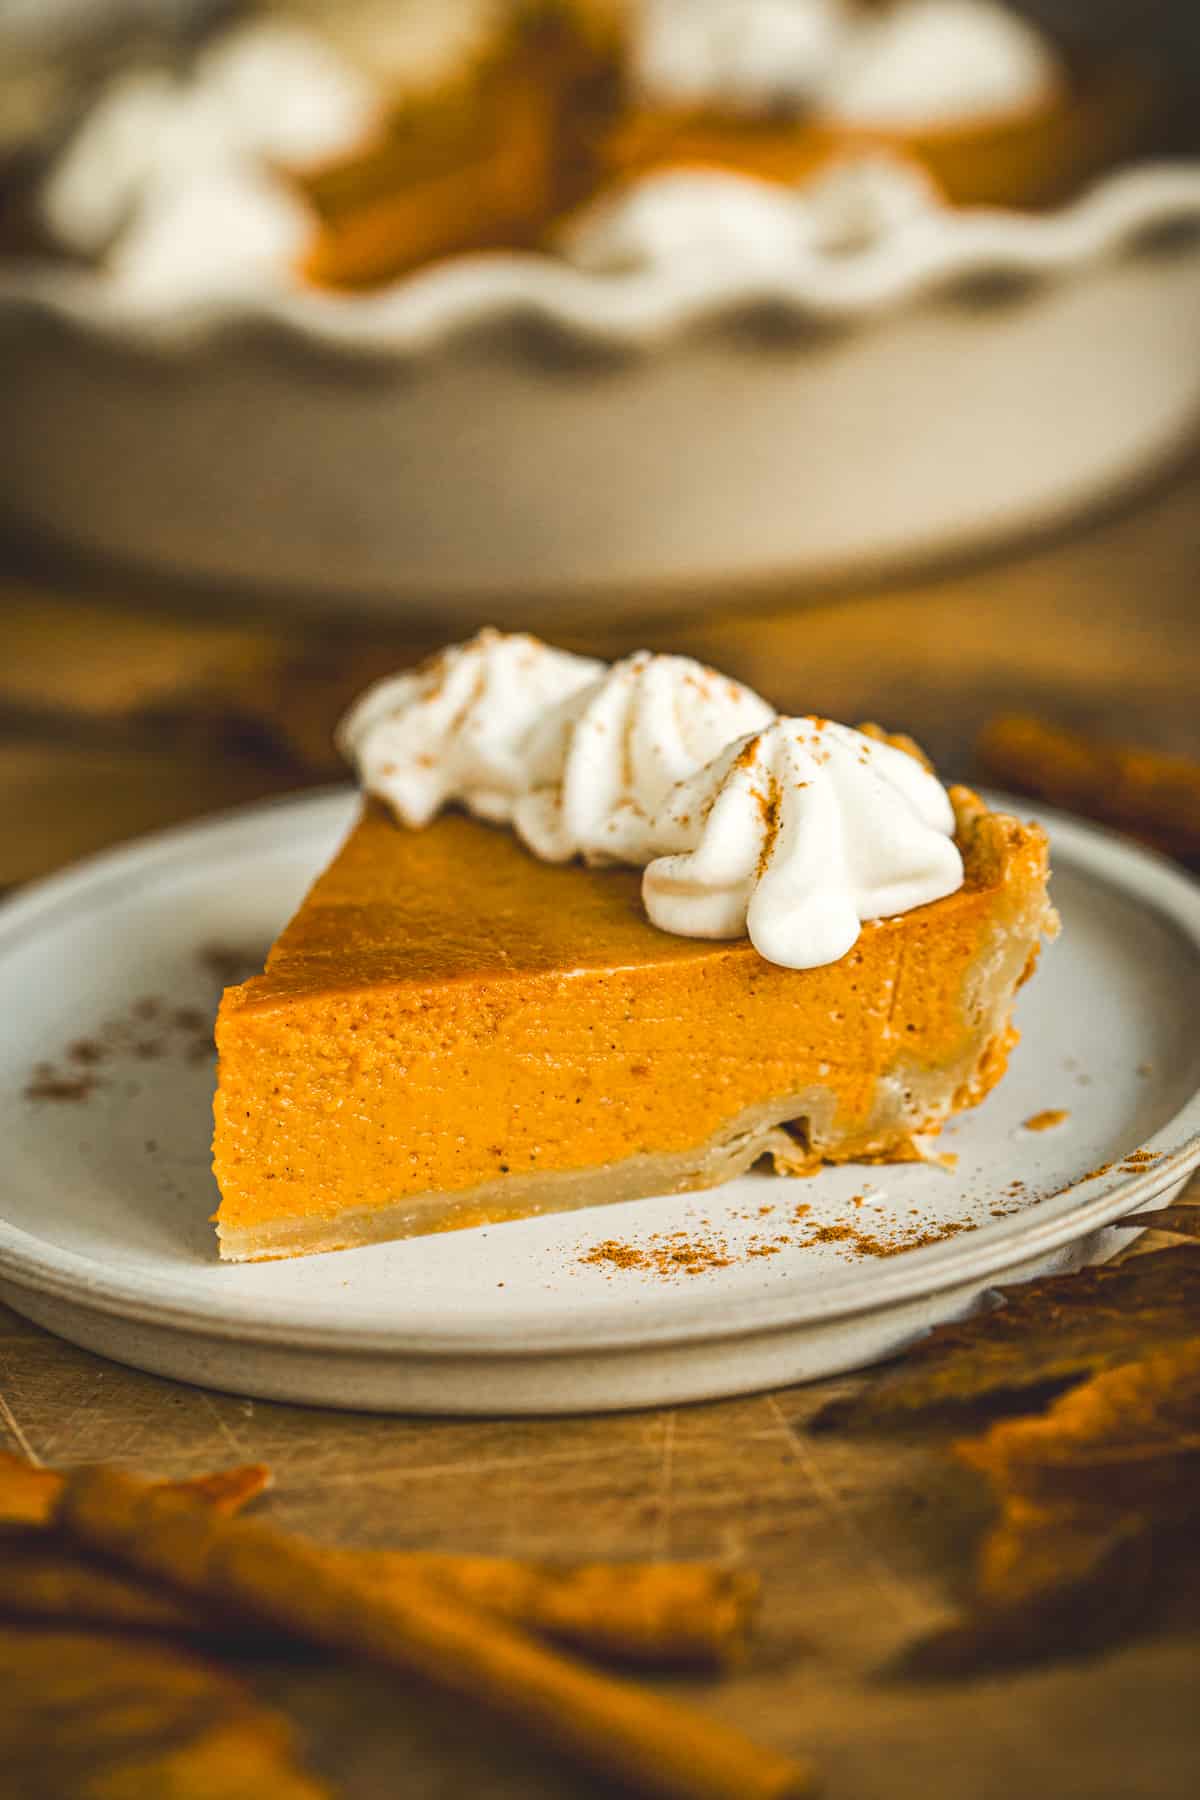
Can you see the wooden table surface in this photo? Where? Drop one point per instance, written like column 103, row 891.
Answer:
column 117, row 716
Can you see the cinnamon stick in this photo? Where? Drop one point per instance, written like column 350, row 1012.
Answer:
column 651, row 1614
column 655, row 1746
column 648, row 1613
column 1151, row 795
column 656, row 1614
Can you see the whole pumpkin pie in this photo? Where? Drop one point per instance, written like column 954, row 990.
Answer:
column 477, row 1018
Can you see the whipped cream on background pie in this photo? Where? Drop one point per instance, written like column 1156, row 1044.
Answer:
column 912, row 63
column 619, row 135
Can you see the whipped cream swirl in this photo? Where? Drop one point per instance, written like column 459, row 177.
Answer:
column 798, row 834
column 793, row 830
column 603, row 764
column 175, row 178
column 905, row 65
column 707, row 217
column 861, row 198
column 751, row 55
column 458, row 727
column 928, row 63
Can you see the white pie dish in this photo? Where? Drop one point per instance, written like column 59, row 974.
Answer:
column 105, row 1222
column 508, row 434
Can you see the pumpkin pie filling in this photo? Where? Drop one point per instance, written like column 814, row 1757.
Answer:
column 452, row 1032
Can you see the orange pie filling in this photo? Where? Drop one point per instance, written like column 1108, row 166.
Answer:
column 452, row 1032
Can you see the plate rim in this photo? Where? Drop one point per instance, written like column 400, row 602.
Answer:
column 79, row 1279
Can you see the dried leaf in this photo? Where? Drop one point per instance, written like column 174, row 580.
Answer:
column 1183, row 1220
column 90, row 1717
column 1127, row 1439
column 1089, row 1496
column 1035, row 1552
column 1046, row 1333
column 28, row 1493
column 1099, row 1589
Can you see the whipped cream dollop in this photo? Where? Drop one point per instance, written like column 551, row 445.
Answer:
column 859, row 199
column 174, row 179
column 701, row 217
column 93, row 186
column 604, row 763
column 219, row 227
column 681, row 215
column 921, row 63
column 285, row 94
column 791, row 830
column 900, row 65
column 744, row 55
column 798, row 834
column 458, row 727
column 897, row 67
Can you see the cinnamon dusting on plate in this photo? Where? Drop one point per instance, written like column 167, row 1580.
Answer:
column 886, row 1243
column 228, row 964
column 150, row 1030
column 665, row 1254
column 1047, row 1120
column 702, row 1248
column 48, row 1083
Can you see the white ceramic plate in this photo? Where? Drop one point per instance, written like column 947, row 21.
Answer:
column 105, row 1236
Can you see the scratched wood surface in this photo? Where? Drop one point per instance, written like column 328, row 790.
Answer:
column 117, row 716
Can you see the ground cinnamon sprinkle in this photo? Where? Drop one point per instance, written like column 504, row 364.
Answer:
column 147, row 1032
column 668, row 1254
column 1047, row 1120
column 868, row 1243
column 46, row 1083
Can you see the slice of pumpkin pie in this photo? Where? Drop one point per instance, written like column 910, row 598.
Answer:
column 659, row 934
